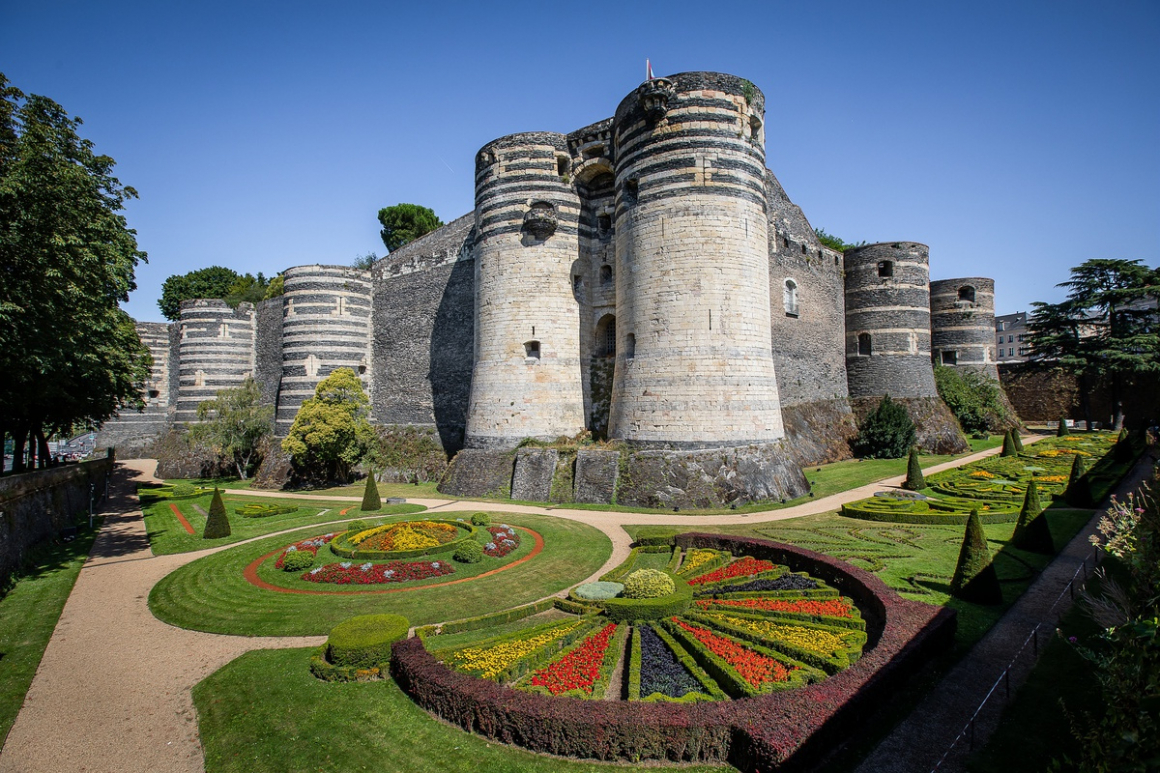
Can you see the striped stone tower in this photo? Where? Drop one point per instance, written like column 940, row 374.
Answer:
column 888, row 320
column 326, row 324
column 216, row 351
column 526, row 382
column 962, row 323
column 694, row 367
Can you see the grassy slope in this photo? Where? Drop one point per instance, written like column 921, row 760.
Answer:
column 28, row 616
column 265, row 713
column 166, row 535
column 211, row 594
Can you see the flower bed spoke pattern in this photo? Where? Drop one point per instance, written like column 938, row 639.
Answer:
column 745, row 567
column 368, row 573
column 755, row 668
column 579, row 669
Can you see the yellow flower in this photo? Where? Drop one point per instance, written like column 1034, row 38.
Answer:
column 807, row 638
column 492, row 661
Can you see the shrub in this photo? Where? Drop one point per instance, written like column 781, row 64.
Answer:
column 1061, row 430
column 354, row 527
column 975, row 579
column 218, row 523
column 1016, row 440
column 1079, row 490
column 297, row 561
column 1031, row 530
column 648, row 584
column 365, row 641
column 1008, row 445
column 914, row 480
column 480, row 519
column 598, row 591
column 264, row 511
column 629, row 610
column 887, row 433
column 371, row 498
column 469, row 552
column 972, row 398
column 184, row 490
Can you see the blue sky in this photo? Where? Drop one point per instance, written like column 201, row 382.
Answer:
column 1017, row 139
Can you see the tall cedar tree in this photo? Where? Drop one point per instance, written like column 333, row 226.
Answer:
column 1079, row 490
column 914, row 479
column 1031, row 530
column 1107, row 327
column 975, row 579
column 887, row 433
column 217, row 524
column 68, row 353
column 371, row 499
column 1062, row 430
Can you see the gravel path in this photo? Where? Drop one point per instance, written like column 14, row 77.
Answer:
column 113, row 692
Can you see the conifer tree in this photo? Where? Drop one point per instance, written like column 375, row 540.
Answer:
column 1016, row 440
column 1061, row 430
column 217, row 524
column 1123, row 451
column 371, row 500
column 1031, row 530
column 914, row 479
column 975, row 579
column 1008, row 445
column 1079, row 491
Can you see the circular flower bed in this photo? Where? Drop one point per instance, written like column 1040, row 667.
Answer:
column 409, row 539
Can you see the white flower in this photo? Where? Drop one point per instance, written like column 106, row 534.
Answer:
column 434, row 564
column 316, row 570
column 490, row 546
column 292, row 549
column 389, row 573
column 366, row 567
column 345, row 564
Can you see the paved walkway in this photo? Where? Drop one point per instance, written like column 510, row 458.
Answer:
column 112, row 693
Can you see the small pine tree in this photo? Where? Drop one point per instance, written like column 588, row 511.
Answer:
column 1123, row 451
column 371, row 499
column 1016, row 440
column 1079, row 491
column 914, row 479
column 1008, row 445
column 217, row 524
column 1062, row 430
column 1031, row 530
column 887, row 433
column 975, row 579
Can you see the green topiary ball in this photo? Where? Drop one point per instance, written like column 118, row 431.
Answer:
column 184, row 490
column 470, row 552
column 297, row 560
column 365, row 641
column 648, row 584
column 480, row 519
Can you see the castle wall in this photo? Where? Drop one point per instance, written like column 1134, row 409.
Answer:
column 527, row 379
column 131, row 429
column 962, row 323
column 326, row 325
column 694, row 366
column 424, row 299
column 216, row 351
column 268, row 348
column 894, row 311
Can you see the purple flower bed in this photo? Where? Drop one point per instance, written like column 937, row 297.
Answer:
column 785, row 582
column 659, row 669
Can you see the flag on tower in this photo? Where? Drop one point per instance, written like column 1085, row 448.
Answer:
column 648, row 70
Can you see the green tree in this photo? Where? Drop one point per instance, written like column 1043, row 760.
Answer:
column 1031, row 530
column 331, row 433
column 914, row 478
column 212, row 282
column 1109, row 326
column 234, row 424
column 217, row 523
column 1009, row 445
column 973, row 398
column 68, row 354
column 276, row 288
column 834, row 242
column 371, row 498
column 365, row 262
column 403, row 223
column 975, row 579
column 887, row 433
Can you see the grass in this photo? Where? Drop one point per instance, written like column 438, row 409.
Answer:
column 210, row 594
column 265, row 713
column 167, row 535
column 28, row 615
column 422, row 490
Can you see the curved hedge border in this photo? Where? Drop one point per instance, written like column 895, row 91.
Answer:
column 341, row 549
column 943, row 516
column 784, row 730
column 632, row 610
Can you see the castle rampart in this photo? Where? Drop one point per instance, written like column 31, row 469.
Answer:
column 216, row 352
column 962, row 324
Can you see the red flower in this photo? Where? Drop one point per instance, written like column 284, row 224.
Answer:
column 743, row 568
column 580, row 668
column 755, row 668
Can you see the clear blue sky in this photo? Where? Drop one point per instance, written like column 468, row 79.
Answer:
column 1017, row 139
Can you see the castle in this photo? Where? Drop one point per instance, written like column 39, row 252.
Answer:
column 644, row 278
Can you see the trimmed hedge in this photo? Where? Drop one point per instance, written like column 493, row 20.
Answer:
column 852, row 638
column 486, row 621
column 648, row 584
column 328, row 672
column 620, row 572
column 764, row 733
column 576, row 607
column 341, row 546
column 264, row 511
column 297, row 561
column 708, row 566
column 217, row 523
column 365, row 641
column 601, row 590
column 713, row 691
column 468, row 552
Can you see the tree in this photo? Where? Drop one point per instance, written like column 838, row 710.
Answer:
column 68, row 354
column 371, row 498
column 234, row 424
column 887, row 433
column 1031, row 530
column 217, row 523
column 1008, row 445
column 835, row 242
column 973, row 398
column 1108, row 326
column 975, row 579
column 365, row 262
column 331, row 433
column 914, row 478
column 215, row 282
column 403, row 223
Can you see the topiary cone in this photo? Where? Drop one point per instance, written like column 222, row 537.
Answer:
column 217, row 524
column 1016, row 440
column 1122, row 451
column 975, row 579
column 1062, row 430
column 914, row 479
column 1031, row 530
column 1079, row 491
column 371, row 499
column 1008, row 445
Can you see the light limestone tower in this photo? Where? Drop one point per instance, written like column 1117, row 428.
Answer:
column 326, row 325
column 694, row 367
column 962, row 324
column 526, row 382
column 216, row 351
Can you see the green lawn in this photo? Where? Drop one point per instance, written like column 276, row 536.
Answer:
column 28, row 615
column 210, row 594
column 265, row 713
column 422, row 490
column 167, row 535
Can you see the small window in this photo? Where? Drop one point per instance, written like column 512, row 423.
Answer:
column 886, row 268
column 1010, row 338
column 1010, row 352
column 563, row 165
column 631, row 189
column 606, row 275
column 864, row 345
column 154, row 394
column 605, row 223
column 789, row 297
column 630, row 346
column 950, row 358
column 967, row 293
column 577, row 282
column 532, row 351
column 605, row 343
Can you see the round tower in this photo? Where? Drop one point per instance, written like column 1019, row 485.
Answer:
column 526, row 382
column 962, row 324
column 215, row 351
column 326, row 324
column 888, row 320
column 694, row 367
